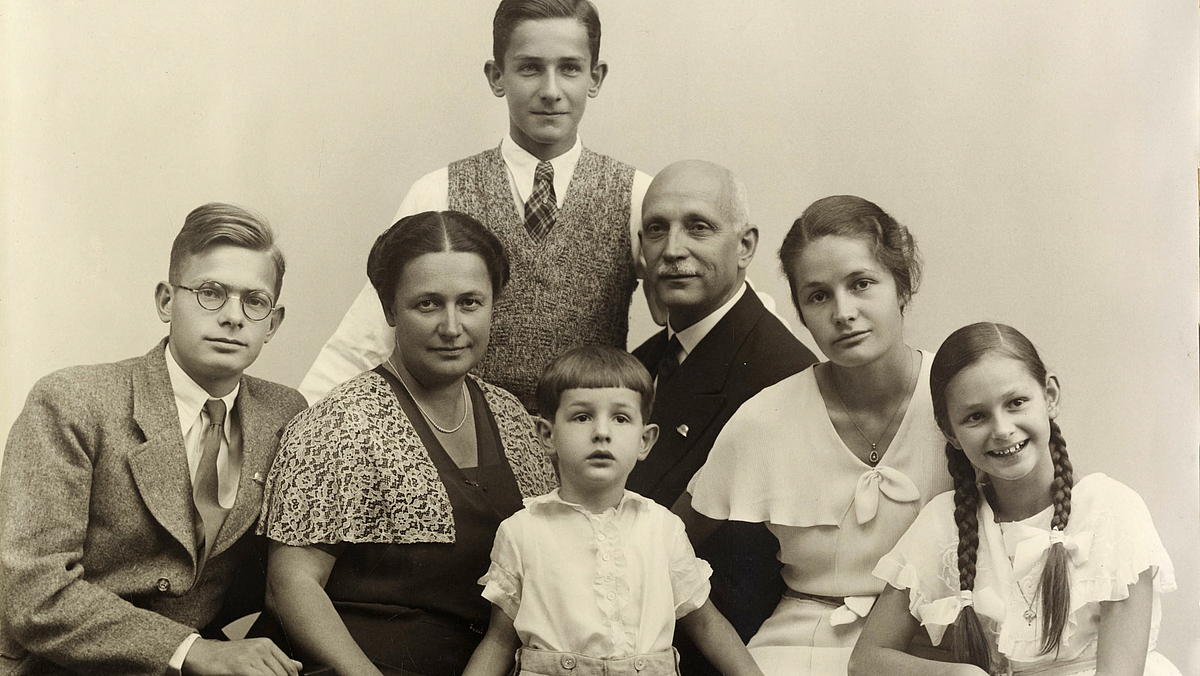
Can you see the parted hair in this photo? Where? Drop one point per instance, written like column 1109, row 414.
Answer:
column 511, row 13
column 961, row 349
column 216, row 224
column 849, row 216
column 593, row 366
column 432, row 232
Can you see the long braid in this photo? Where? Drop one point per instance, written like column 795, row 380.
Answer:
column 1055, row 583
column 969, row 643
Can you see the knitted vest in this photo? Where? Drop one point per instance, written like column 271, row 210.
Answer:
column 574, row 288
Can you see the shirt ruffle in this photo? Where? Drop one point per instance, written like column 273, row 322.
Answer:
column 352, row 468
column 760, row 466
column 609, row 584
column 1124, row 544
column 1109, row 516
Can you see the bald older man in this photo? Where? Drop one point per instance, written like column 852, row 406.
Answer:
column 720, row 347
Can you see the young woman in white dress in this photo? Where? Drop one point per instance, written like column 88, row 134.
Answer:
column 1037, row 573
column 837, row 460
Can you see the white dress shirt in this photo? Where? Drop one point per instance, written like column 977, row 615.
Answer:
column 364, row 339
column 189, row 402
column 690, row 337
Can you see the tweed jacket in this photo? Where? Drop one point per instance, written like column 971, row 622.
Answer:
column 747, row 350
column 98, row 560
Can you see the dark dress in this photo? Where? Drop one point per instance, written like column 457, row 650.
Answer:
column 416, row 608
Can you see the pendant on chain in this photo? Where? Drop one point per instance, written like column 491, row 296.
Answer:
column 1030, row 615
column 874, row 457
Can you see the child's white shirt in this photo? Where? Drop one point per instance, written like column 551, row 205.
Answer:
column 604, row 585
column 1110, row 540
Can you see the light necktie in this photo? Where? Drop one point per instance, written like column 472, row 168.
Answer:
column 542, row 207
column 209, row 513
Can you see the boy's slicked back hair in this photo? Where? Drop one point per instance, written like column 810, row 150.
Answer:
column 593, row 366
column 511, row 13
column 217, row 224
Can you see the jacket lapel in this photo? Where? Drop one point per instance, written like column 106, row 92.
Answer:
column 258, row 440
column 695, row 394
column 159, row 465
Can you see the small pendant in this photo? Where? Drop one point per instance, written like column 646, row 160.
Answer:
column 874, row 457
column 1030, row 615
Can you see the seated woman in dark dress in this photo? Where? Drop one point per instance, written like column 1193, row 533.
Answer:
column 385, row 497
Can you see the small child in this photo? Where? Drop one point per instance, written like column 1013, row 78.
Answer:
column 1036, row 572
column 592, row 576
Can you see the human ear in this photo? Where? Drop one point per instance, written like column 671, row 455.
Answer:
column 275, row 320
column 545, row 434
column 493, row 72
column 952, row 441
column 747, row 246
column 1053, row 394
column 162, row 301
column 599, row 72
column 649, row 436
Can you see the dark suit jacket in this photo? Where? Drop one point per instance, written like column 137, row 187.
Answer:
column 749, row 349
column 98, row 560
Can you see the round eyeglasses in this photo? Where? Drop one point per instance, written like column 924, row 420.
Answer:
column 256, row 305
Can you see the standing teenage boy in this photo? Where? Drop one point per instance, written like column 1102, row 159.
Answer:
column 567, row 216
column 128, row 489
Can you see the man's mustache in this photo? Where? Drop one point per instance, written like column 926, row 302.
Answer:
column 676, row 271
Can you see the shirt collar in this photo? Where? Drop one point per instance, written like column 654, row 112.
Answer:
column 190, row 397
column 522, row 165
column 553, row 498
column 690, row 337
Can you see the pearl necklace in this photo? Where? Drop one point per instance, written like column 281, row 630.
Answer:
column 429, row 418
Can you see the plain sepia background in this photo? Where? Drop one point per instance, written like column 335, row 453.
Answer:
column 1044, row 154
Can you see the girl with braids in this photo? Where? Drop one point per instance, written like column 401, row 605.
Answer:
column 1037, row 573
column 838, row 459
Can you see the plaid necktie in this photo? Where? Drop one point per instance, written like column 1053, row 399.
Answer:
column 542, row 206
column 209, row 513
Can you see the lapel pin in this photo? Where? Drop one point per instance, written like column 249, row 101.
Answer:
column 682, row 429
column 258, row 478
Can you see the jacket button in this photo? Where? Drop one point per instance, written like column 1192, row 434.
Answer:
column 568, row 661
column 164, row 585
column 639, row 663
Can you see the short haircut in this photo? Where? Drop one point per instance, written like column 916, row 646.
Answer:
column 432, row 232
column 589, row 367
column 849, row 216
column 217, row 224
column 737, row 201
column 512, row 13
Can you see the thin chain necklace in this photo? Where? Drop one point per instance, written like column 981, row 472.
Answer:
column 429, row 418
column 874, row 457
column 1030, row 614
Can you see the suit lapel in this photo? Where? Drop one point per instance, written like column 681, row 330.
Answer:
column 650, row 352
column 690, row 401
column 159, row 466
column 258, row 439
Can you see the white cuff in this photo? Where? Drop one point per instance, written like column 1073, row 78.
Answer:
column 175, row 666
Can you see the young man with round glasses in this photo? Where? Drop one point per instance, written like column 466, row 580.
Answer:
column 128, row 490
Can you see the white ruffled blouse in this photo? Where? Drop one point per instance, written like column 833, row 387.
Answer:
column 779, row 460
column 1110, row 540
column 604, row 585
